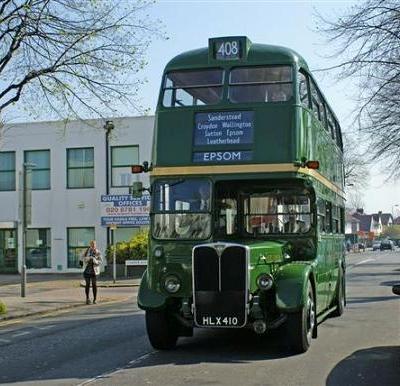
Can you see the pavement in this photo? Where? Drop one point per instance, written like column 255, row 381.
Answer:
column 53, row 292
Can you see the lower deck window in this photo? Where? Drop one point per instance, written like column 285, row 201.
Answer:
column 267, row 213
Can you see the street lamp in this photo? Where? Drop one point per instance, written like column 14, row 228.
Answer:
column 26, row 217
column 108, row 127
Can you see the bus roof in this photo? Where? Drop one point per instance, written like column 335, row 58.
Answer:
column 257, row 54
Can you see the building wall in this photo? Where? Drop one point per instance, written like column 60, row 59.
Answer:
column 59, row 207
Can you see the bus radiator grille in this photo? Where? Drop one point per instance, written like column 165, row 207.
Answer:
column 220, row 285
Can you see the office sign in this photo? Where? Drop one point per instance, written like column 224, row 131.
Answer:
column 125, row 210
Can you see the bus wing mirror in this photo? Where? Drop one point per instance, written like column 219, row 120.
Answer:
column 136, row 189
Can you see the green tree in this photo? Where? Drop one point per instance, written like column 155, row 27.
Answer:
column 392, row 232
column 134, row 249
column 74, row 57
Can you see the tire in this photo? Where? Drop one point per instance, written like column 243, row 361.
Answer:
column 340, row 297
column 161, row 329
column 301, row 325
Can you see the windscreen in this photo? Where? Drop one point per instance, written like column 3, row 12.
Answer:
column 182, row 209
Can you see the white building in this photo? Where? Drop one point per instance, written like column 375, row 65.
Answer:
column 68, row 180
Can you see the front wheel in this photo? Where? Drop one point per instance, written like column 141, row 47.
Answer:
column 162, row 329
column 301, row 325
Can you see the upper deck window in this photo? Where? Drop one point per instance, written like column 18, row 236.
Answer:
column 192, row 88
column 260, row 84
column 303, row 89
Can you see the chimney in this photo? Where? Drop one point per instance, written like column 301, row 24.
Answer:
column 360, row 210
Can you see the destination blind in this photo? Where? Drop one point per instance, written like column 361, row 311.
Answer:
column 221, row 129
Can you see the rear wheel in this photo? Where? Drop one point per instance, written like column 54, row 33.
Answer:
column 162, row 329
column 340, row 298
column 301, row 324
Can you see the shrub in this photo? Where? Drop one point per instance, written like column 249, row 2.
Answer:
column 134, row 249
column 3, row 308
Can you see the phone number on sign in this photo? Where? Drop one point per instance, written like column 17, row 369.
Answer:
column 127, row 210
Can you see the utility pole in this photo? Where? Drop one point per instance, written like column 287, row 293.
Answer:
column 108, row 128
column 26, row 217
column 113, row 228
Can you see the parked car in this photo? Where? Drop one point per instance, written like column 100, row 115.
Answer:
column 387, row 244
column 376, row 245
column 36, row 258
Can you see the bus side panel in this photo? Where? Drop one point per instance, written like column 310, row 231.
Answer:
column 291, row 286
column 149, row 299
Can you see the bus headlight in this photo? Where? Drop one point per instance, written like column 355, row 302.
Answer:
column 158, row 252
column 264, row 281
column 286, row 256
column 172, row 284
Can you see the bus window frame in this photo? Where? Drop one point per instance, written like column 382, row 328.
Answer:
column 307, row 78
column 338, row 132
column 243, row 196
column 331, row 119
column 339, row 138
column 209, row 212
column 174, row 89
column 228, row 83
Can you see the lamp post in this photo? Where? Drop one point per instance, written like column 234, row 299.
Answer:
column 108, row 127
column 26, row 217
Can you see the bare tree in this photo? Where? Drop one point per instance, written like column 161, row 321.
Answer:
column 366, row 39
column 354, row 200
column 356, row 171
column 75, row 57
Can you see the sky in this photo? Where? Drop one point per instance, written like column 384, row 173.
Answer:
column 189, row 24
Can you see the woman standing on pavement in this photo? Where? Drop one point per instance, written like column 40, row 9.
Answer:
column 91, row 261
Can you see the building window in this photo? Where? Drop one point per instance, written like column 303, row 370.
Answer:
column 80, row 168
column 38, row 248
column 7, row 170
column 8, row 251
column 122, row 157
column 78, row 241
column 41, row 169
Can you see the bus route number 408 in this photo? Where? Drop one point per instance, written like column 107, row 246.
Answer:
column 228, row 50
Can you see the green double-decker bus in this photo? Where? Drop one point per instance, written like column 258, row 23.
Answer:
column 247, row 211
